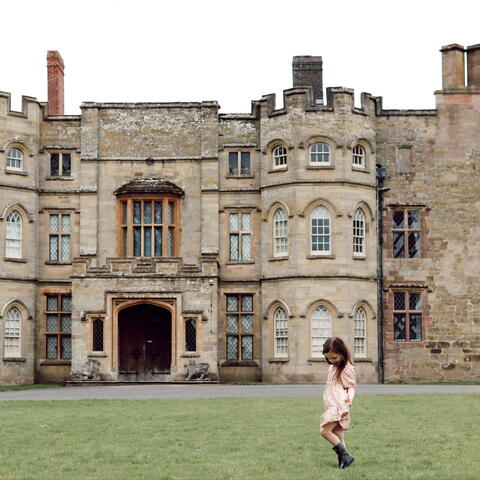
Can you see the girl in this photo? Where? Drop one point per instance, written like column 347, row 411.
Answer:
column 337, row 397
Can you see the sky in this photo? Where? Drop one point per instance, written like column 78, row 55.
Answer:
column 229, row 51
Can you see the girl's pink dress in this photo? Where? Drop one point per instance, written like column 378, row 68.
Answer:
column 335, row 396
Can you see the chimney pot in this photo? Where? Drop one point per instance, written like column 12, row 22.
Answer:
column 55, row 75
column 473, row 65
column 308, row 72
column 453, row 66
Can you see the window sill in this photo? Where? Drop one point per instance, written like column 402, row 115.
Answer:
column 360, row 169
column 278, row 360
column 18, row 260
column 189, row 355
column 60, row 177
column 97, row 355
column 359, row 257
column 320, row 167
column 239, row 363
column 56, row 362
column 276, row 259
column 14, row 359
column 240, row 176
column 50, row 262
column 319, row 256
column 316, row 359
column 240, row 262
column 10, row 171
column 279, row 169
column 362, row 360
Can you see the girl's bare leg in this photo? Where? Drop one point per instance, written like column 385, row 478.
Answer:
column 339, row 433
column 327, row 432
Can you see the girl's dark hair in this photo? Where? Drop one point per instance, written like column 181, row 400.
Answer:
column 337, row 345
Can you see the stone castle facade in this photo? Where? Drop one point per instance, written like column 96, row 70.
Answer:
column 148, row 235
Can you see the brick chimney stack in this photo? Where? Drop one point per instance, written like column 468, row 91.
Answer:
column 473, row 65
column 453, row 66
column 55, row 74
column 308, row 72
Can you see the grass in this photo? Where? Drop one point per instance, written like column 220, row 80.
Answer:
column 393, row 437
column 6, row 388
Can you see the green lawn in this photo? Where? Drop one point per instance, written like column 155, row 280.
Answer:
column 393, row 437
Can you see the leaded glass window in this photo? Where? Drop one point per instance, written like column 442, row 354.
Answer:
column 358, row 158
column 360, row 332
column 13, row 235
column 239, row 163
column 60, row 164
column 321, row 329
column 406, row 233
column 240, row 236
column 239, row 327
column 190, row 336
column 149, row 227
column 14, row 159
column 407, row 316
column 319, row 154
column 320, row 231
column 280, row 233
column 359, row 227
column 59, row 238
column 280, row 319
column 97, row 335
column 13, row 323
column 58, row 326
column 279, row 155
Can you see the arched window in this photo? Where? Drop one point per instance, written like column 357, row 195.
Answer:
column 14, row 159
column 281, row 333
column 321, row 329
column 359, row 228
column 13, row 319
column 320, row 231
column 13, row 235
column 320, row 154
column 358, row 156
column 359, row 341
column 279, row 155
column 280, row 233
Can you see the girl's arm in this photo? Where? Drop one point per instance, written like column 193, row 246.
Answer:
column 350, row 395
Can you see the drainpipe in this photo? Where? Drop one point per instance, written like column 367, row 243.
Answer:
column 381, row 176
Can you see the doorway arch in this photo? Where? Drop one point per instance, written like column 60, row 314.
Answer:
column 144, row 342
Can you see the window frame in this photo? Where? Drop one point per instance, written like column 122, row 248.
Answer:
column 14, row 337
column 406, row 231
column 360, row 332
column 314, row 345
column 318, row 253
column 60, row 174
column 280, row 242
column 189, row 348
column 125, row 233
column 96, row 341
column 359, row 234
column 408, row 312
column 59, row 333
column 9, row 159
column 356, row 156
column 280, row 333
column 10, row 238
column 240, row 333
column 279, row 157
column 240, row 173
column 60, row 235
column 321, row 154
column 240, row 233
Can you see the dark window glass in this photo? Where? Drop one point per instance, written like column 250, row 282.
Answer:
column 190, row 336
column 239, row 327
column 97, row 336
column 245, row 163
column 406, row 234
column 54, row 164
column 66, row 164
column 233, row 163
column 407, row 316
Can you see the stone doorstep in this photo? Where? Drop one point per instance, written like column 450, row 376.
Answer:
column 103, row 383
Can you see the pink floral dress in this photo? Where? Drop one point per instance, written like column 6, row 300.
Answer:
column 335, row 396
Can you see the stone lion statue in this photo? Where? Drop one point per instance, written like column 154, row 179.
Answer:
column 90, row 370
column 194, row 371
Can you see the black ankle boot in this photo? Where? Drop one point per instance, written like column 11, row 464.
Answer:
column 344, row 458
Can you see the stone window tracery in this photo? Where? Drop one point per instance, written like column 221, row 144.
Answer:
column 280, row 318
column 12, row 333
